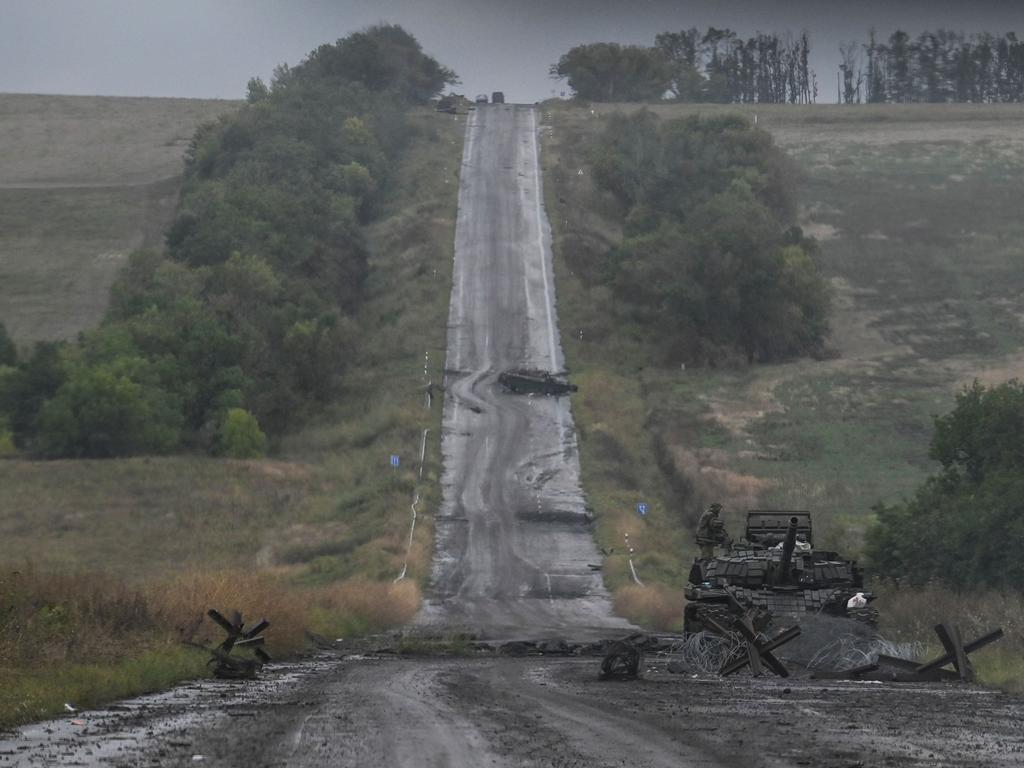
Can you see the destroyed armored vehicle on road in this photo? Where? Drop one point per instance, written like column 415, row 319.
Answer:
column 776, row 570
column 528, row 381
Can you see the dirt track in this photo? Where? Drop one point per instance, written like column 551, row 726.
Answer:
column 514, row 548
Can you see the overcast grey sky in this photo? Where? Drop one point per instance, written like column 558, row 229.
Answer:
column 210, row 48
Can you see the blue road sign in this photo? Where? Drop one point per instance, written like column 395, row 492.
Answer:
column 395, row 460
column 641, row 509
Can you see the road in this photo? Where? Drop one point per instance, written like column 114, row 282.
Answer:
column 514, row 550
column 514, row 541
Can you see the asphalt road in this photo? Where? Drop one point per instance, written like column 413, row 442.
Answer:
column 514, row 547
column 514, row 541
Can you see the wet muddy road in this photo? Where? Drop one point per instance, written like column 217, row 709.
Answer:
column 514, row 542
column 367, row 711
column 514, row 547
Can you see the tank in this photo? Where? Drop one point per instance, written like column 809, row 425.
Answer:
column 522, row 381
column 776, row 570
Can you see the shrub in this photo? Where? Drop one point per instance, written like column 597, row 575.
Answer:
column 240, row 435
column 104, row 411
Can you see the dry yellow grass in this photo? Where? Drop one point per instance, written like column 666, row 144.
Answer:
column 367, row 605
column 182, row 602
column 655, row 606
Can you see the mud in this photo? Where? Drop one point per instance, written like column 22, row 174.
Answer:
column 535, row 711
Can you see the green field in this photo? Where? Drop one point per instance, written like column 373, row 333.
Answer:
column 917, row 211
column 84, row 180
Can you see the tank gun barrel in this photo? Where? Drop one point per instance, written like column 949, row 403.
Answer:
column 786, row 562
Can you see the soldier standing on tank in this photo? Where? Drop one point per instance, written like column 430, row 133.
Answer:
column 711, row 531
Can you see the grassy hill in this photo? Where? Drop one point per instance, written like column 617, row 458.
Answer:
column 312, row 538
column 84, row 180
column 917, row 211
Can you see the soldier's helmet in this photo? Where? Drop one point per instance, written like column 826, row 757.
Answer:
column 716, row 507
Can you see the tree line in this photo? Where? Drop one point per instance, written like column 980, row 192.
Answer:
column 940, row 66
column 715, row 66
column 243, row 325
column 710, row 264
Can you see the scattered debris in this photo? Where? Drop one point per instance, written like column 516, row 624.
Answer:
column 622, row 662
column 535, row 382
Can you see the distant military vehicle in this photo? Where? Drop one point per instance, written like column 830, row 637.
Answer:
column 497, row 97
column 776, row 570
column 529, row 381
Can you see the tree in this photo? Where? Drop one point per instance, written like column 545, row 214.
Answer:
column 383, row 58
column 964, row 525
column 681, row 50
column 240, row 436
column 708, row 258
column 24, row 390
column 613, row 72
column 104, row 411
column 256, row 91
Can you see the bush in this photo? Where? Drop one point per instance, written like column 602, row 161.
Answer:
column 964, row 526
column 240, row 435
column 103, row 411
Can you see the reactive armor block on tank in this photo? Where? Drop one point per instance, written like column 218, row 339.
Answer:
column 775, row 568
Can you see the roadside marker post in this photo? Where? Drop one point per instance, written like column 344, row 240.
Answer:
column 395, row 461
